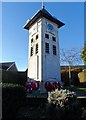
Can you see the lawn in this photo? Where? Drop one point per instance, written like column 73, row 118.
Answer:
column 79, row 90
column 82, row 88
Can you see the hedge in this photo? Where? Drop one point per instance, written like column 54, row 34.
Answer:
column 13, row 97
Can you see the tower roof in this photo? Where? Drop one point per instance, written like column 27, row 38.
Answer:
column 43, row 13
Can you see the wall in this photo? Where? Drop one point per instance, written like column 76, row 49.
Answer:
column 51, row 63
column 74, row 76
column 34, row 62
column 13, row 77
column 42, row 66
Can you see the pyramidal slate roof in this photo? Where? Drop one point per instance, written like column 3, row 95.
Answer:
column 43, row 13
column 6, row 65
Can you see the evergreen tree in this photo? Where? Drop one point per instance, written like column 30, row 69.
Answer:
column 83, row 54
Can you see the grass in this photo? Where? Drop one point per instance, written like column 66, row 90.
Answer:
column 81, row 88
column 75, row 88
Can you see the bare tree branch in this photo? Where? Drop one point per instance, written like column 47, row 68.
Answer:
column 70, row 57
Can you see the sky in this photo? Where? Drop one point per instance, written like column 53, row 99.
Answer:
column 15, row 37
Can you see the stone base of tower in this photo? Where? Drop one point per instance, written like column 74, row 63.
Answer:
column 42, row 88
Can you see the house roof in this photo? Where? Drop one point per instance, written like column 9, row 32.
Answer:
column 43, row 13
column 6, row 65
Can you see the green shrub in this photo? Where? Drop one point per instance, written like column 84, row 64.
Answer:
column 13, row 97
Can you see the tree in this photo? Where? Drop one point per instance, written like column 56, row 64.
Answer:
column 70, row 57
column 83, row 54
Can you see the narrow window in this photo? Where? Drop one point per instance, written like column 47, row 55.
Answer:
column 36, row 37
column 31, row 53
column 32, row 40
column 47, row 47
column 54, row 50
column 36, row 48
column 54, row 38
column 47, row 36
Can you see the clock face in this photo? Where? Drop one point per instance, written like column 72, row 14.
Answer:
column 50, row 27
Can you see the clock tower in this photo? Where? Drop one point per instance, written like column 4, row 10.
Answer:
column 43, row 58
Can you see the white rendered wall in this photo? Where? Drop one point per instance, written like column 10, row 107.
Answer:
column 51, row 63
column 43, row 66
column 34, row 62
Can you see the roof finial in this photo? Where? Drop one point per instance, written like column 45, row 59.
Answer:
column 43, row 4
